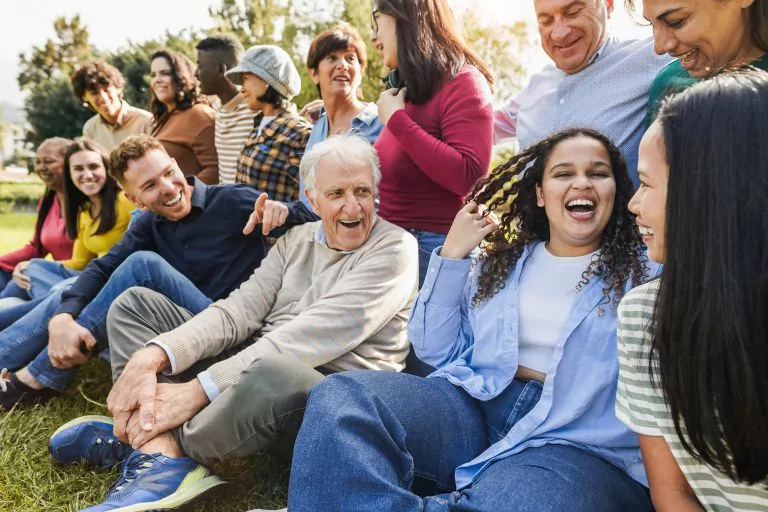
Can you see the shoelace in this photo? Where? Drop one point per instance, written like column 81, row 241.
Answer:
column 4, row 379
column 106, row 453
column 133, row 466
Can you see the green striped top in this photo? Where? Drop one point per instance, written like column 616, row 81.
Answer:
column 641, row 406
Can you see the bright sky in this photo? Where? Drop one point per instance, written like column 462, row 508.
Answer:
column 112, row 24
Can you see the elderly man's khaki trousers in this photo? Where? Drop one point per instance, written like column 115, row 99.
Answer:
column 263, row 408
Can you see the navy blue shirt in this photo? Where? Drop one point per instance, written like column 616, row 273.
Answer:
column 207, row 246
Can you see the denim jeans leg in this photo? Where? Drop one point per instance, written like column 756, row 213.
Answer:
column 552, row 478
column 11, row 289
column 373, row 440
column 45, row 275
column 15, row 313
column 143, row 268
column 5, row 278
column 23, row 340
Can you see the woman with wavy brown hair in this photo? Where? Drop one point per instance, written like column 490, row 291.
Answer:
column 183, row 123
column 520, row 412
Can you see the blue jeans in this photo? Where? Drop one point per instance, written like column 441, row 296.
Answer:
column 46, row 276
column 9, row 315
column 8, row 288
column 391, row 441
column 25, row 343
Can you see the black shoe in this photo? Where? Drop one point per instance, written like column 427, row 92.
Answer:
column 13, row 391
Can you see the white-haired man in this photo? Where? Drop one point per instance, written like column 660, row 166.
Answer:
column 331, row 295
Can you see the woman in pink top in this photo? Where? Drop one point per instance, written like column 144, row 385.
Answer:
column 50, row 231
column 438, row 119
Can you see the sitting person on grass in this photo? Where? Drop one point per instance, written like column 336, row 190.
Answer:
column 189, row 246
column 96, row 215
column 232, row 380
column 519, row 415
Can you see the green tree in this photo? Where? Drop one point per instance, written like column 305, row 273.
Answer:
column 53, row 111
column 60, row 56
column 499, row 45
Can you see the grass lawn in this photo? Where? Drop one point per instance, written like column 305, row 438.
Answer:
column 15, row 230
column 29, row 482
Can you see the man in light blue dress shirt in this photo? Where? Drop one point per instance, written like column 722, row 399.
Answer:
column 597, row 81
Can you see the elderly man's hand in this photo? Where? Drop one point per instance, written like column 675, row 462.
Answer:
column 135, row 390
column 470, row 226
column 390, row 101
column 175, row 404
column 69, row 343
column 271, row 214
column 20, row 278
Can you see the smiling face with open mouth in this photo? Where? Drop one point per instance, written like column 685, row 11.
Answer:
column 577, row 193
column 344, row 200
column 155, row 182
column 572, row 30
column 650, row 201
column 705, row 35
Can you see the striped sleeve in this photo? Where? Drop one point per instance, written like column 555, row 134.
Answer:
column 638, row 403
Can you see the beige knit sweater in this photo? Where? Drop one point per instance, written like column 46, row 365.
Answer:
column 332, row 310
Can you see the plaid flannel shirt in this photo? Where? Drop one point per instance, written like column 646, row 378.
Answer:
column 270, row 162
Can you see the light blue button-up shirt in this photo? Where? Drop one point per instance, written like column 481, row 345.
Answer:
column 366, row 124
column 477, row 349
column 609, row 95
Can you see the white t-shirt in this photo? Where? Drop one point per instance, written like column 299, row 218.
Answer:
column 547, row 293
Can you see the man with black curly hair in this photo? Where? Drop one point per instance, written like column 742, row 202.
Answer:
column 100, row 86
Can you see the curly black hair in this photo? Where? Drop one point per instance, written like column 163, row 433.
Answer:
column 187, row 86
column 511, row 190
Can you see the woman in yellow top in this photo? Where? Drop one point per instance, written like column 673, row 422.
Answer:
column 96, row 214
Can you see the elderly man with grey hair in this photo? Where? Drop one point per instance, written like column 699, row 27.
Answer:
column 330, row 296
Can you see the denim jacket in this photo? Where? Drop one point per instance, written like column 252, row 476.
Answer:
column 477, row 348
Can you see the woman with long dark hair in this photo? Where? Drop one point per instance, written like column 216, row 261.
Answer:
column 520, row 413
column 692, row 344
column 96, row 214
column 183, row 122
column 438, row 119
column 706, row 37
column 50, row 235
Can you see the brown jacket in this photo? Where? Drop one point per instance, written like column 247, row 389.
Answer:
column 188, row 136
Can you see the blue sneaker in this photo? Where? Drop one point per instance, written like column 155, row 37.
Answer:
column 88, row 439
column 151, row 481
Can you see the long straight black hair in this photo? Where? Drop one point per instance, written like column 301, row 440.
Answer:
column 710, row 342
column 75, row 200
column 430, row 47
